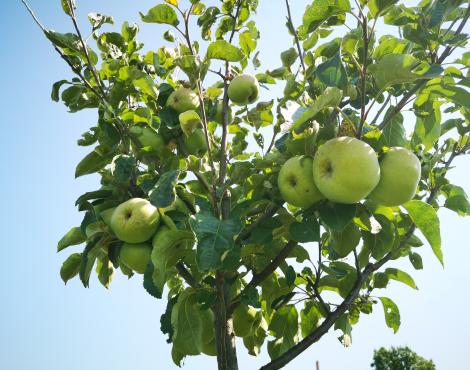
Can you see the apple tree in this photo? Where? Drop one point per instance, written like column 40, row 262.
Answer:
column 274, row 219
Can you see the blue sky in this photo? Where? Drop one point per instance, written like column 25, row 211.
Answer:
column 45, row 325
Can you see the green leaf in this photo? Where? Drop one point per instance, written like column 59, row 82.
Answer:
column 428, row 125
column 332, row 72
column 400, row 276
column 66, row 6
column 379, row 7
column 321, row 10
column 215, row 238
column 105, row 271
column 56, row 88
column 164, row 194
column 416, row 260
column 149, row 285
column 88, row 261
column 161, row 13
column 456, row 199
column 187, row 320
column 306, row 231
column 169, row 246
column 394, row 69
column 309, row 318
column 123, row 167
column 284, row 327
column 394, row 133
column 391, row 312
column 224, row 50
column 379, row 244
column 70, row 267
column 331, row 97
column 74, row 236
column 97, row 20
column 336, row 216
column 92, row 163
column 427, row 221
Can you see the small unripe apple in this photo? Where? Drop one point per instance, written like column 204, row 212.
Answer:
column 182, row 100
column 147, row 137
column 346, row 170
column 135, row 256
column 196, row 143
column 135, row 221
column 400, row 171
column 296, row 183
column 243, row 90
column 189, row 122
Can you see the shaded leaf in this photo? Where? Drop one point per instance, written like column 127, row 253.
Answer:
column 70, row 267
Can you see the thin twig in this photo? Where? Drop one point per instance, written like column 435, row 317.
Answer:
column 296, row 37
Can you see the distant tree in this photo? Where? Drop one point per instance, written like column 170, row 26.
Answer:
column 400, row 358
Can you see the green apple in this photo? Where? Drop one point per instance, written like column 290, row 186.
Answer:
column 208, row 334
column 296, row 184
column 196, row 143
column 135, row 221
column 182, row 100
column 346, row 170
column 243, row 319
column 243, row 89
column 146, row 136
column 219, row 109
column 189, row 122
column 135, row 256
column 400, row 171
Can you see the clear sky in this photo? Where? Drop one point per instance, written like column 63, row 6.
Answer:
column 45, row 325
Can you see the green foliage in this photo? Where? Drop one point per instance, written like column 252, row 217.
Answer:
column 400, row 358
column 227, row 237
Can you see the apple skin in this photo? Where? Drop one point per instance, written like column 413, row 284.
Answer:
column 182, row 100
column 400, row 171
column 189, row 121
column 196, row 143
column 346, row 170
column 135, row 221
column 147, row 137
column 135, row 256
column 296, row 184
column 243, row 90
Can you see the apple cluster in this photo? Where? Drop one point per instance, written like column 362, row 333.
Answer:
column 347, row 170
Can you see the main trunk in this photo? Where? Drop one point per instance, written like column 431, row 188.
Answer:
column 224, row 334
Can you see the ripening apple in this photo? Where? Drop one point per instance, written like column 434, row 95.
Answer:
column 135, row 221
column 189, row 121
column 196, row 143
column 182, row 100
column 243, row 90
column 135, row 256
column 296, row 183
column 147, row 137
column 346, row 170
column 243, row 319
column 400, row 171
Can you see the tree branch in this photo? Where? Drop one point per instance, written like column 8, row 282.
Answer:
column 296, row 37
column 330, row 320
column 404, row 100
column 261, row 276
column 186, row 275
